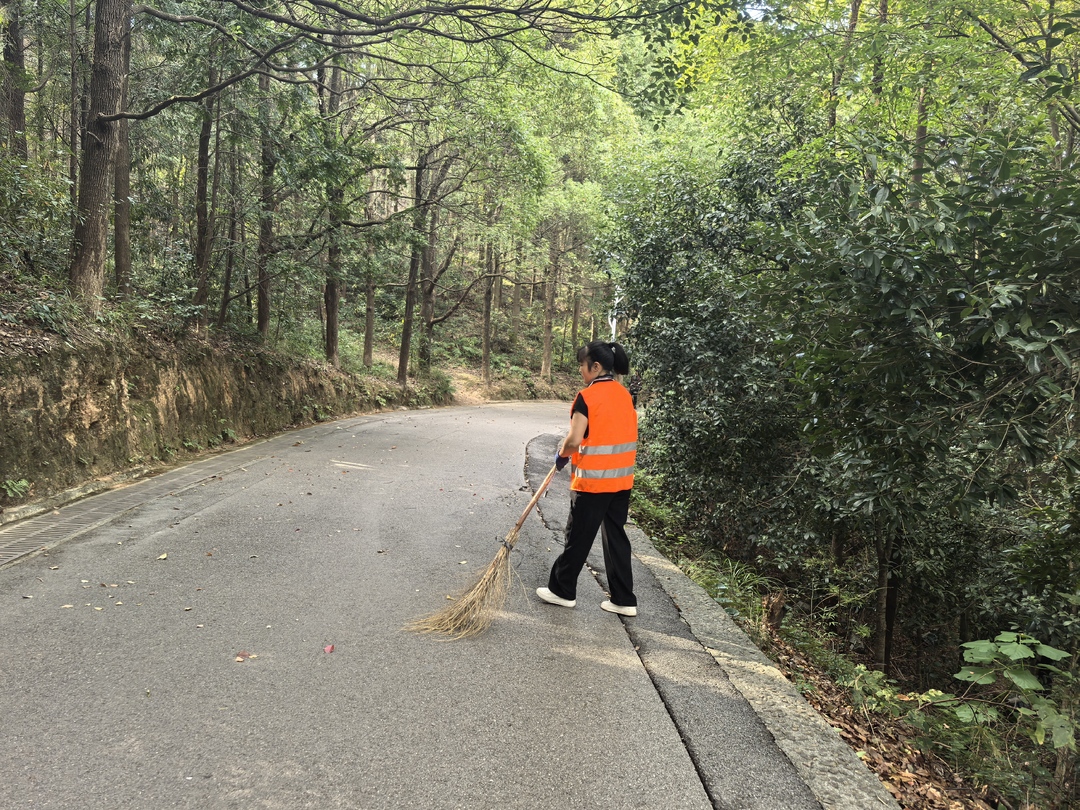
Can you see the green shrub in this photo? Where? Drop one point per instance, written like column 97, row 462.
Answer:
column 17, row 488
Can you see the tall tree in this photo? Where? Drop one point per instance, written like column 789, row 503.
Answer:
column 13, row 81
column 204, row 223
column 420, row 215
column 122, row 188
column 87, row 272
column 267, row 206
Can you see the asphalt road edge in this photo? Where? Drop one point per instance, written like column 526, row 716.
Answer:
column 832, row 771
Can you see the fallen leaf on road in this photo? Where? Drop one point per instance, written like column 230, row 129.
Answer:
column 66, row 606
column 164, row 556
column 99, row 608
column 329, row 648
column 54, row 567
column 244, row 655
column 27, row 597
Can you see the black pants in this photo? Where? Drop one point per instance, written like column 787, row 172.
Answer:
column 590, row 511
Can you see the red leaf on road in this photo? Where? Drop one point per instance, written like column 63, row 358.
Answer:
column 329, row 648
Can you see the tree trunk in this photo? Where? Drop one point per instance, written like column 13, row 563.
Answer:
column 369, row 323
column 550, row 282
column 230, row 253
column 87, row 275
column 122, row 191
column 892, row 601
column 920, row 135
column 883, row 549
column 203, row 224
column 14, row 82
column 332, row 305
column 515, row 312
column 877, row 81
column 838, row 72
column 576, row 315
column 248, row 310
column 73, row 111
column 427, row 291
column 266, row 213
column 888, row 557
column 407, row 325
column 335, row 196
column 515, row 301
column 485, row 337
column 414, row 272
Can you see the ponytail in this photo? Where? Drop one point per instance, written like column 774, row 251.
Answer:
column 611, row 356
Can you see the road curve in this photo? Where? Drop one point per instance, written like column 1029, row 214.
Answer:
column 236, row 640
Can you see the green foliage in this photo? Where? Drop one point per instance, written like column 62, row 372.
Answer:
column 901, row 309
column 1011, row 663
column 52, row 312
column 932, row 295
column 16, row 489
column 716, row 420
column 820, row 648
column 35, row 212
column 1006, row 714
column 737, row 586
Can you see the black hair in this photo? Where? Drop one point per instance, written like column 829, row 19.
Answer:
column 610, row 356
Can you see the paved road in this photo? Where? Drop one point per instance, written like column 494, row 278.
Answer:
column 120, row 685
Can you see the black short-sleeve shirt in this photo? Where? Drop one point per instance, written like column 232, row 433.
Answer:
column 580, row 406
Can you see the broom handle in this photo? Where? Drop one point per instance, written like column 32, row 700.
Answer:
column 535, row 498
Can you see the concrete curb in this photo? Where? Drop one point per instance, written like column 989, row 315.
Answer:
column 834, row 774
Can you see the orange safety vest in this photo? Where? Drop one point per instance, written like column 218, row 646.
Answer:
column 605, row 460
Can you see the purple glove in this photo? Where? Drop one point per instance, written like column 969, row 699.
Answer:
column 560, row 461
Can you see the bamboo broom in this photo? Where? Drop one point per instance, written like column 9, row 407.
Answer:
column 474, row 610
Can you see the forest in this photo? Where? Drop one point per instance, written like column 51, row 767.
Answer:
column 841, row 242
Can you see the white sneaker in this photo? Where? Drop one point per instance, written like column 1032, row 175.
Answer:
column 554, row 599
column 611, row 607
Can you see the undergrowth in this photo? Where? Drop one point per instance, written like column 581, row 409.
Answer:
column 1008, row 722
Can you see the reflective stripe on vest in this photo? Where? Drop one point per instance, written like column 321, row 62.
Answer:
column 608, row 449
column 605, row 460
column 621, row 472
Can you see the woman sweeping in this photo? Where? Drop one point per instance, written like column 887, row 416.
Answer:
column 602, row 444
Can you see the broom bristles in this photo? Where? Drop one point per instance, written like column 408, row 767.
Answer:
column 475, row 608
